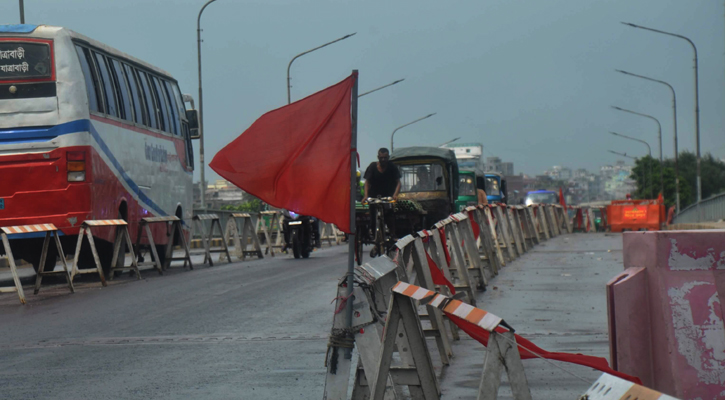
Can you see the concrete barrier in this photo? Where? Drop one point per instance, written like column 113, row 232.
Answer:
column 666, row 313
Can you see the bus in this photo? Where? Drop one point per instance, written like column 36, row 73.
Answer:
column 88, row 132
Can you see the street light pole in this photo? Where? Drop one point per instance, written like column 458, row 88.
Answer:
column 201, row 108
column 289, row 96
column 381, row 87
column 649, row 151
column 674, row 125
column 659, row 135
column 697, row 103
column 403, row 126
column 22, row 12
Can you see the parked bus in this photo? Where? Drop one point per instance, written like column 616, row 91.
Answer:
column 87, row 132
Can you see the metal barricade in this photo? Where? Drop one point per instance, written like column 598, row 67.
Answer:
column 242, row 227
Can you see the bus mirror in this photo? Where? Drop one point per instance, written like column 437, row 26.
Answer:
column 193, row 117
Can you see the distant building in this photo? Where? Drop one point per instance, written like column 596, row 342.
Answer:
column 507, row 168
column 219, row 193
column 493, row 164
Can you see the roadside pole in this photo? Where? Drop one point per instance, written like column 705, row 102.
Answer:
column 353, row 190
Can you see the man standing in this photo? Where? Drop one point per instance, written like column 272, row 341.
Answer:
column 382, row 178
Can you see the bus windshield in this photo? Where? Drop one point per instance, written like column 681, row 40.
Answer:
column 467, row 186
column 492, row 187
column 421, row 178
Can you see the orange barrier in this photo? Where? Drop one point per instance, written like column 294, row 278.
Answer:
column 635, row 215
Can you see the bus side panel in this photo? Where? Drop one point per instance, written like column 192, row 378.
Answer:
column 144, row 170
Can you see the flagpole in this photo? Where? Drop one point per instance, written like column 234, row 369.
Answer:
column 353, row 191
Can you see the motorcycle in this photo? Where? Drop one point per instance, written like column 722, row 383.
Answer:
column 300, row 233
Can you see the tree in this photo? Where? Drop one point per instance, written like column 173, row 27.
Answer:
column 252, row 206
column 712, row 172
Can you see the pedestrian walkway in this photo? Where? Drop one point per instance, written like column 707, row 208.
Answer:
column 554, row 296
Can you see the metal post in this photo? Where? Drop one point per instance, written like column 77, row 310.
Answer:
column 674, row 128
column 659, row 136
column 201, row 108
column 22, row 12
column 697, row 106
column 289, row 96
column 649, row 151
column 353, row 189
column 403, row 126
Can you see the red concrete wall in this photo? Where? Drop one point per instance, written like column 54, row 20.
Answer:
column 665, row 314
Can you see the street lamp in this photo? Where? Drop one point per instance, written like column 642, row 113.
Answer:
column 22, row 12
column 674, row 125
column 403, row 126
column 649, row 150
column 201, row 107
column 289, row 97
column 697, row 103
column 381, row 87
column 450, row 141
column 659, row 136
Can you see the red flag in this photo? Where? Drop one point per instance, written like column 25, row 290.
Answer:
column 481, row 335
column 438, row 277
column 562, row 201
column 474, row 225
column 297, row 157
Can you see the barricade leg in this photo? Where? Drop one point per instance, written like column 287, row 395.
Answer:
column 492, row 238
column 122, row 236
column 143, row 226
column 13, row 270
column 44, row 254
column 487, row 243
column 469, row 243
column 86, row 231
column 519, row 230
column 503, row 226
column 247, row 235
column 503, row 354
column 532, row 223
column 176, row 229
column 402, row 312
column 541, row 215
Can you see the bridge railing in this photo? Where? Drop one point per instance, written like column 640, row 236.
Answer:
column 710, row 210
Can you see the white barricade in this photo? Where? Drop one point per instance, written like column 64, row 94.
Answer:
column 50, row 231
column 122, row 237
column 241, row 227
column 172, row 225
column 206, row 239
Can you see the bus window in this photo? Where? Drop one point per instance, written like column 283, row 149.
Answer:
column 122, row 87
column 149, row 100
column 138, row 106
column 163, row 104
column 107, row 85
column 90, row 77
column 172, row 107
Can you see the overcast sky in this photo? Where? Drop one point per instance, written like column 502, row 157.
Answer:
column 533, row 80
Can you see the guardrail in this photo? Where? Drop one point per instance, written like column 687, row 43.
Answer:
column 711, row 209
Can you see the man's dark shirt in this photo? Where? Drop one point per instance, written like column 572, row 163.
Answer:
column 382, row 184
